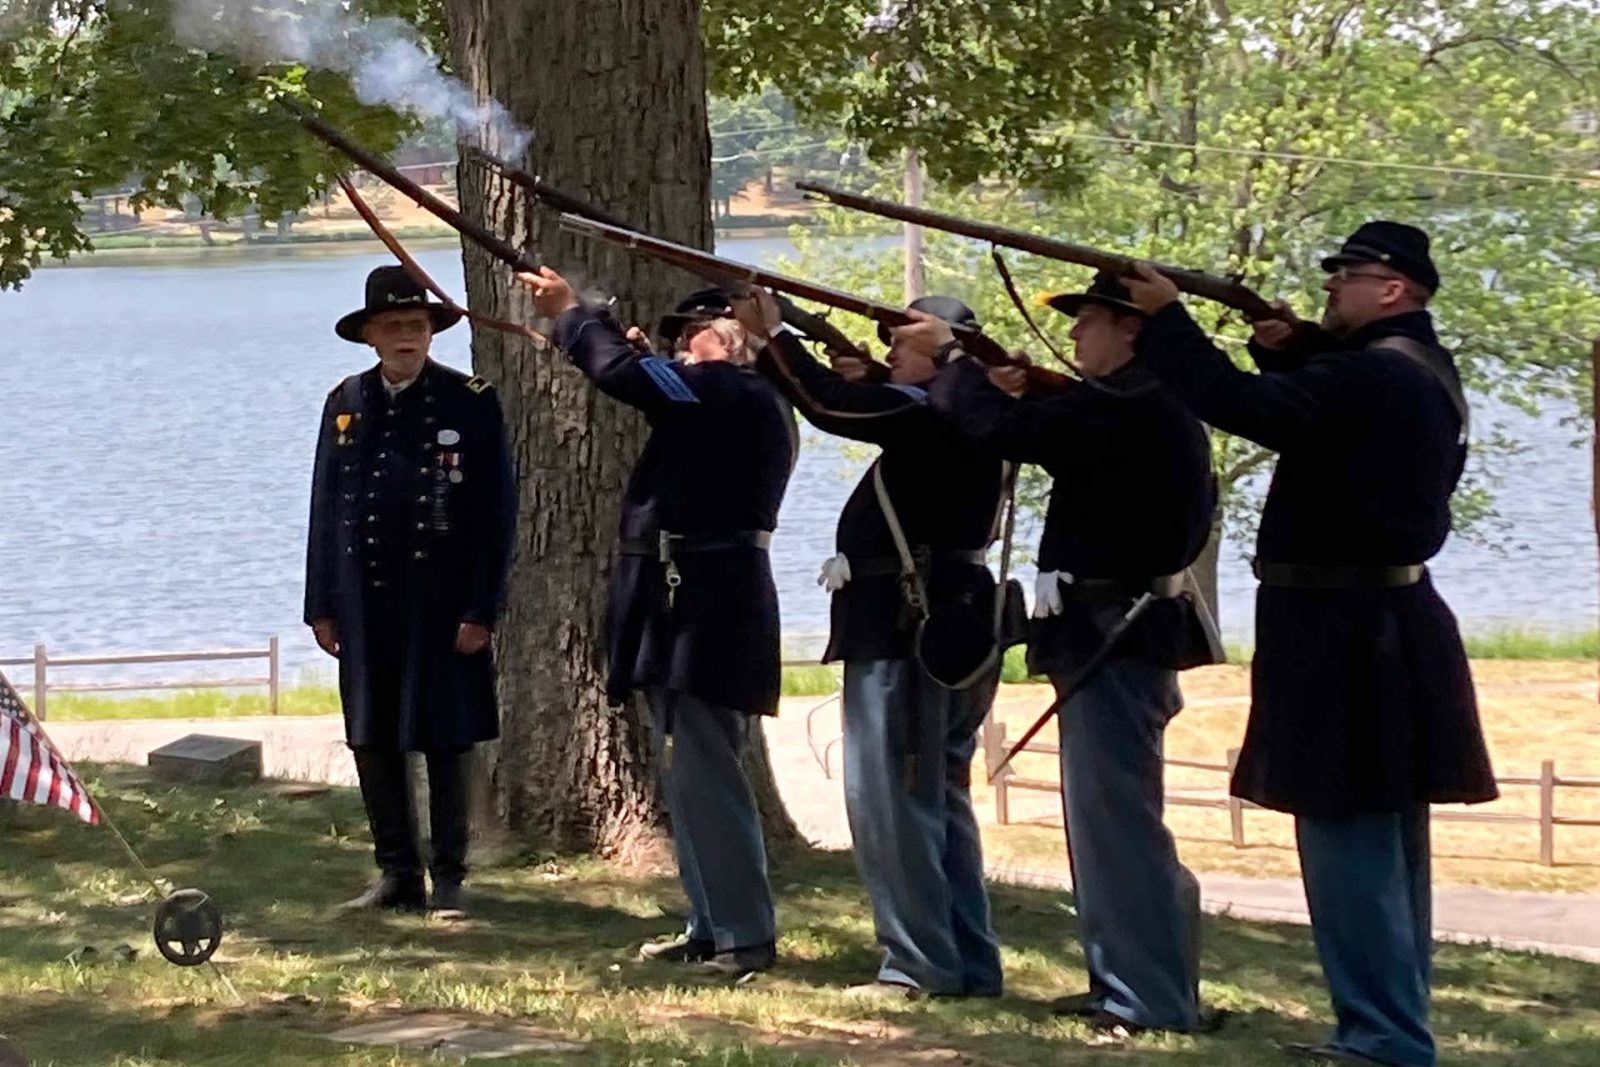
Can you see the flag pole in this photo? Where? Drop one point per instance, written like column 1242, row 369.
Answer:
column 104, row 819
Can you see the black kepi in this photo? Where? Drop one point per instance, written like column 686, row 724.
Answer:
column 1399, row 247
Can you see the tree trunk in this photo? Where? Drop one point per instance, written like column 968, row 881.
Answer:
column 615, row 95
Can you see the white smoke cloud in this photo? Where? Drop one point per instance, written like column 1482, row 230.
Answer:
column 384, row 58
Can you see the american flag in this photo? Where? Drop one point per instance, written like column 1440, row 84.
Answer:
column 31, row 770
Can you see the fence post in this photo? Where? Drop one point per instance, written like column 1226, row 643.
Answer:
column 1547, row 813
column 41, row 682
column 1235, row 805
column 1002, row 799
column 272, row 674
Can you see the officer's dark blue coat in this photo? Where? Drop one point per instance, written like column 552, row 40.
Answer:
column 1362, row 701
column 722, row 445
column 412, row 510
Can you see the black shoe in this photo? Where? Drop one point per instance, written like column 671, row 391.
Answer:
column 1106, row 1022
column 681, row 949
column 881, row 990
column 392, row 892
column 1082, row 1005
column 449, row 900
column 738, row 962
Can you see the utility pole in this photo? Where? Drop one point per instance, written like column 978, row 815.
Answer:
column 915, row 276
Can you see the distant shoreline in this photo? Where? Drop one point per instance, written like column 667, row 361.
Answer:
column 143, row 251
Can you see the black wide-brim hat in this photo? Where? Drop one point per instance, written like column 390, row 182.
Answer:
column 1402, row 248
column 947, row 308
column 703, row 305
column 1106, row 290
column 392, row 289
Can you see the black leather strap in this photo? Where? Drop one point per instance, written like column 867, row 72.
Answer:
column 1308, row 576
column 875, row 566
column 680, row 544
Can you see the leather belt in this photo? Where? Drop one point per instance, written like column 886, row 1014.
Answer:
column 1315, row 576
column 666, row 545
column 1099, row 589
column 877, row 566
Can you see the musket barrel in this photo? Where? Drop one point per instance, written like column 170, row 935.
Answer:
column 543, row 191
column 370, row 161
column 1197, row 283
column 718, row 270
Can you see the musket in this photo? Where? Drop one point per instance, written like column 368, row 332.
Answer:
column 1196, row 283
column 721, row 271
column 492, row 243
column 1075, row 684
column 541, row 190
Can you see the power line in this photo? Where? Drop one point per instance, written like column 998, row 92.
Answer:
column 756, row 129
column 753, row 154
column 1307, row 157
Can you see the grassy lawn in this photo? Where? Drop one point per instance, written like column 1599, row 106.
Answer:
column 551, row 945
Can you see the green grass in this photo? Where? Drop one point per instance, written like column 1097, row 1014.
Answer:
column 1512, row 643
column 192, row 704
column 232, row 239
column 551, row 945
column 1533, row 644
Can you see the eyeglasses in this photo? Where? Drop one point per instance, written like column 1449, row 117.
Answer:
column 1343, row 275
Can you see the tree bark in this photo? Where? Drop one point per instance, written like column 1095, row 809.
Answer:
column 615, row 96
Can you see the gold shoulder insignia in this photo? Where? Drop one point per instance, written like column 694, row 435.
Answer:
column 477, row 385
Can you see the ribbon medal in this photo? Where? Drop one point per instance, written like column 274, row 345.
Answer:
column 344, row 421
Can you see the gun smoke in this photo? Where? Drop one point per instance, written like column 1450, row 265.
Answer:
column 383, row 57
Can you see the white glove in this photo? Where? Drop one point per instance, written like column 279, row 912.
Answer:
column 1047, row 594
column 835, row 573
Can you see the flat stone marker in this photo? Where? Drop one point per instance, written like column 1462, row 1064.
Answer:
column 454, row 1037
column 202, row 758
column 9, row 1056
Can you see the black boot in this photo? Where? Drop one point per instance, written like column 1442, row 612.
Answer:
column 449, row 900
column 738, row 962
column 682, row 949
column 391, row 891
column 449, row 801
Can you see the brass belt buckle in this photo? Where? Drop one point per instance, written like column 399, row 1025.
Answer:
column 664, row 554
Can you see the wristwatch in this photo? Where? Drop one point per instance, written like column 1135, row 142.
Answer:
column 948, row 351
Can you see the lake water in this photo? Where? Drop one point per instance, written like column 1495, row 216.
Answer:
column 163, row 417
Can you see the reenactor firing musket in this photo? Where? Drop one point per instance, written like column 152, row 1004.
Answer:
column 726, row 271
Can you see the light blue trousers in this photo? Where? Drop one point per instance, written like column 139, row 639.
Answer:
column 916, row 838
column 1138, row 907
column 716, row 828
column 1368, row 883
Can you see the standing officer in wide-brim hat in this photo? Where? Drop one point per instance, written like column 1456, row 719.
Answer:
column 1130, row 510
column 692, row 616
column 1363, row 710
column 913, row 621
column 412, row 509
